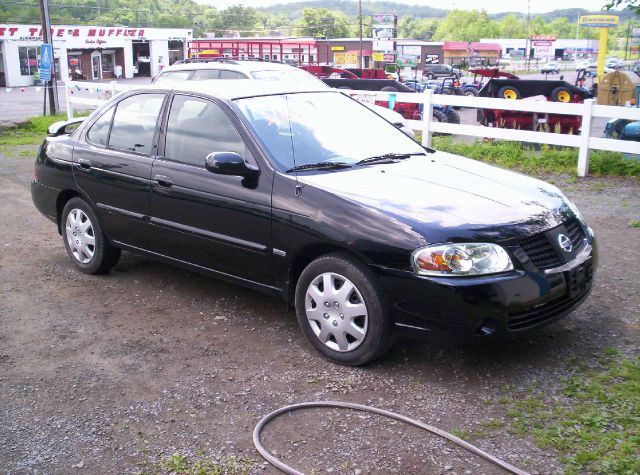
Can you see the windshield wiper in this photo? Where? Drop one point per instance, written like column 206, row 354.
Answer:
column 319, row 166
column 387, row 157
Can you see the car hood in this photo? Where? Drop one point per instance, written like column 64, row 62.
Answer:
column 446, row 197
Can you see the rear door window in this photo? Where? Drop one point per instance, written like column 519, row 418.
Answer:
column 224, row 74
column 204, row 74
column 134, row 123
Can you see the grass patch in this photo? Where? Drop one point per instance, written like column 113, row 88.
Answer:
column 548, row 159
column 201, row 464
column 31, row 133
column 594, row 423
column 634, row 223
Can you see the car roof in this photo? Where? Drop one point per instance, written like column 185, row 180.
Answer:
column 232, row 65
column 236, row 89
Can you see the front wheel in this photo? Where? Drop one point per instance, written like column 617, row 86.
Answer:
column 341, row 310
column 84, row 239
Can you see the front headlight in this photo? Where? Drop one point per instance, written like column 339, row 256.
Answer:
column 461, row 259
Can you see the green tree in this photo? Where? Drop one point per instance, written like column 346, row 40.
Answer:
column 537, row 26
column 320, row 22
column 561, row 27
column 512, row 27
column 461, row 25
column 632, row 4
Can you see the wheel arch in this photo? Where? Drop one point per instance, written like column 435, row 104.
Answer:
column 63, row 198
column 307, row 255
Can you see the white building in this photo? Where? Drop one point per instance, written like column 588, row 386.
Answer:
column 547, row 47
column 89, row 52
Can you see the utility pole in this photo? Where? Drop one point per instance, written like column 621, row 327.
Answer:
column 52, row 87
column 527, row 52
column 626, row 43
column 360, row 33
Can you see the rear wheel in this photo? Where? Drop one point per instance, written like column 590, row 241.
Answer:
column 453, row 117
column 509, row 92
column 430, row 76
column 561, row 94
column 84, row 239
column 440, row 116
column 341, row 310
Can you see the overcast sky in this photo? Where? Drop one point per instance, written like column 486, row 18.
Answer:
column 492, row 6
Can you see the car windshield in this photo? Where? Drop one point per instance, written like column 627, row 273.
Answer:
column 320, row 127
column 292, row 75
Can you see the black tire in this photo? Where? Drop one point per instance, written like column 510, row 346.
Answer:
column 470, row 91
column 389, row 89
column 561, row 94
column 509, row 92
column 104, row 257
column 453, row 117
column 440, row 116
column 378, row 334
column 430, row 76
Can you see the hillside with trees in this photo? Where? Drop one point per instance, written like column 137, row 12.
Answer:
column 320, row 18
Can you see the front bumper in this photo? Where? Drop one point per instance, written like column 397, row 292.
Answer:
column 501, row 304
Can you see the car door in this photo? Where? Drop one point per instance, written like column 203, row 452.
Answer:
column 214, row 221
column 112, row 165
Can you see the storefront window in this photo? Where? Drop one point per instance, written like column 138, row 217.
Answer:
column 28, row 60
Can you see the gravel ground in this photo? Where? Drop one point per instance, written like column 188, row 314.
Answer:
column 101, row 374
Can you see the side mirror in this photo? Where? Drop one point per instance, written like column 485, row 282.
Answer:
column 229, row 163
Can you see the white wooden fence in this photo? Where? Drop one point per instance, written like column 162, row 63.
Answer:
column 588, row 110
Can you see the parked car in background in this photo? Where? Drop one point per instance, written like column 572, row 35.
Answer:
column 226, row 69
column 550, row 68
column 432, row 71
column 583, row 65
column 309, row 196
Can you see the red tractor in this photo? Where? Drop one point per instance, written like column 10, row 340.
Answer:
column 366, row 80
column 507, row 86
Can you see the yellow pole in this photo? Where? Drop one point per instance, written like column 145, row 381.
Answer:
column 602, row 51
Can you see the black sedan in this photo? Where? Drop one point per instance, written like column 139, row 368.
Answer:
column 311, row 196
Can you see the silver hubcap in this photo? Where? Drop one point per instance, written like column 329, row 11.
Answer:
column 80, row 236
column 336, row 312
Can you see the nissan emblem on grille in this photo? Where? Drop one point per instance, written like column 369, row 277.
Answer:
column 565, row 243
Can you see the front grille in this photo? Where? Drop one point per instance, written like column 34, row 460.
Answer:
column 541, row 252
column 576, row 233
column 545, row 313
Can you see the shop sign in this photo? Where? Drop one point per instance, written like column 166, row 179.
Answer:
column 406, row 60
column 383, row 46
column 46, row 57
column 337, row 48
column 384, row 19
column 412, row 50
column 378, row 56
column 542, row 43
column 389, row 57
column 432, row 58
column 543, row 38
column 598, row 20
column 350, row 57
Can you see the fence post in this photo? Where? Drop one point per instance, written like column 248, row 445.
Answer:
column 68, row 100
column 427, row 113
column 585, row 132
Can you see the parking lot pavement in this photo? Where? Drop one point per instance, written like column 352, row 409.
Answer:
column 111, row 372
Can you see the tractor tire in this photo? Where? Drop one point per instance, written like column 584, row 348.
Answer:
column 470, row 92
column 509, row 92
column 453, row 117
column 389, row 89
column 561, row 94
column 440, row 116
column 430, row 76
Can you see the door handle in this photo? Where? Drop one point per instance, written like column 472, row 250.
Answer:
column 84, row 163
column 162, row 180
